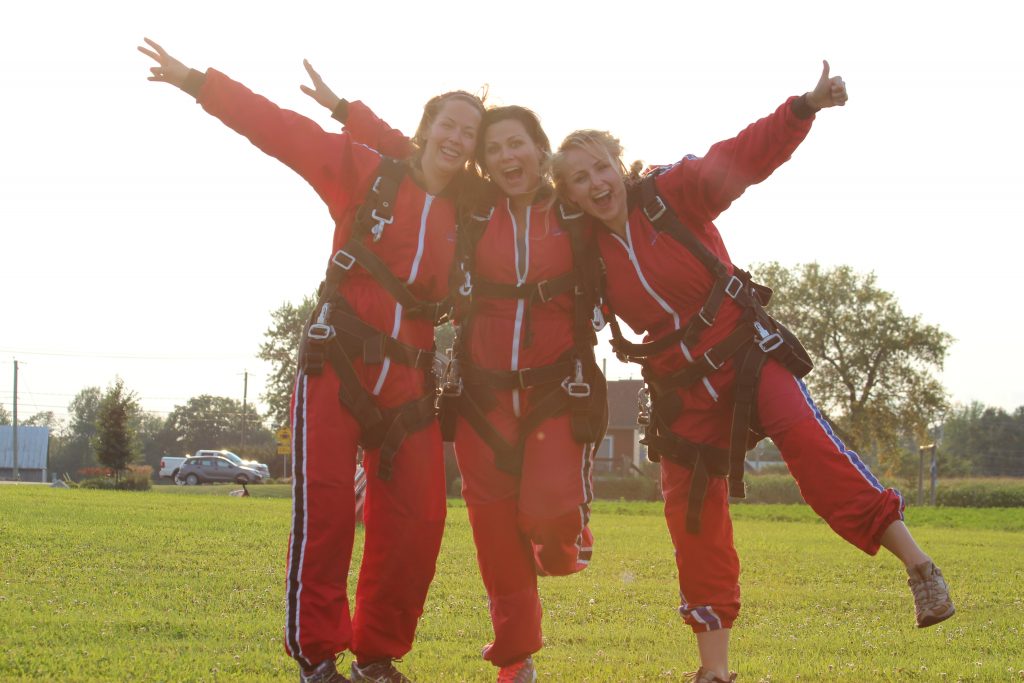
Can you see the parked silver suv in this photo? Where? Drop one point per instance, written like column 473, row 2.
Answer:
column 215, row 468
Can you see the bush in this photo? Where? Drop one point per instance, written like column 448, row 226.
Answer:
column 771, row 488
column 977, row 493
column 626, row 488
column 97, row 483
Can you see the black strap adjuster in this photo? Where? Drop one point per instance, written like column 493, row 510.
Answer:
column 657, row 206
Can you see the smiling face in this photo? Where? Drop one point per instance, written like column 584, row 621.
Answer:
column 590, row 179
column 512, row 158
column 449, row 137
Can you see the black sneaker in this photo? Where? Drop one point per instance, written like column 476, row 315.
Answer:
column 324, row 672
column 381, row 671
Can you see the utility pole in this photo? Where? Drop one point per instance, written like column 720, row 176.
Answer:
column 245, row 398
column 14, row 429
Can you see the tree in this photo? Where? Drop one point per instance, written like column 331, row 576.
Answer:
column 989, row 439
column 5, row 417
column 75, row 452
column 215, row 422
column 874, row 365
column 281, row 350
column 114, row 442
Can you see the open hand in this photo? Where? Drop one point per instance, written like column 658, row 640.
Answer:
column 323, row 95
column 167, row 69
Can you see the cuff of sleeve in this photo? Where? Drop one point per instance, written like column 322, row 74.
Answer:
column 193, row 82
column 801, row 108
column 340, row 112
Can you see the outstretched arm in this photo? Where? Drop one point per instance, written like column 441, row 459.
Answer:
column 330, row 162
column 360, row 122
column 703, row 188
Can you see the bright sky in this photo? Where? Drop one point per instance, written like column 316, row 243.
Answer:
column 142, row 238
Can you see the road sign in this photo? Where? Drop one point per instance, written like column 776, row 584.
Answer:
column 283, row 435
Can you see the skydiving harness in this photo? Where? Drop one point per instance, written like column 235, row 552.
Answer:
column 336, row 334
column 573, row 383
column 756, row 336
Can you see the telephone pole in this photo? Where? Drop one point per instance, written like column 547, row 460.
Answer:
column 14, row 429
column 245, row 398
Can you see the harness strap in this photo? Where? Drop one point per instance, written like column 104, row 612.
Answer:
column 374, row 346
column 396, row 424
column 516, row 379
column 711, row 360
column 748, row 374
column 543, row 291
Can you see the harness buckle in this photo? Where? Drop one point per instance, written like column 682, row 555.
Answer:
column 707, row 323
column 541, row 291
column 482, row 217
column 771, row 342
column 643, row 407
column 320, row 332
column 734, row 287
column 657, row 204
column 576, row 387
column 343, row 260
column 711, row 363
column 597, row 320
column 467, row 287
column 568, row 216
column 378, row 230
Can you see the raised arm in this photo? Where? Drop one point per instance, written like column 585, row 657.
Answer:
column 359, row 120
column 702, row 188
column 328, row 161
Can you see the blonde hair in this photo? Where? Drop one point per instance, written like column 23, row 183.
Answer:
column 599, row 143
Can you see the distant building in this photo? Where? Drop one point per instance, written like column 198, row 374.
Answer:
column 621, row 447
column 33, row 453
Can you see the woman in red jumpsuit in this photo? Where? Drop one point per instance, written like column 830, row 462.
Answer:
column 658, row 286
column 405, row 506
column 534, row 521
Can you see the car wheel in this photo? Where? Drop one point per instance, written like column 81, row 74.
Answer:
column 177, row 480
column 191, row 480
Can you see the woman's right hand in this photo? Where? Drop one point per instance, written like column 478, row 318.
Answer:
column 323, row 95
column 168, row 69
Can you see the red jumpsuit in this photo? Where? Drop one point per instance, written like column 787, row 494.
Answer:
column 537, row 522
column 404, row 516
column 655, row 285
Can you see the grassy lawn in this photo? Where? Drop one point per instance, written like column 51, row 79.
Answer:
column 187, row 584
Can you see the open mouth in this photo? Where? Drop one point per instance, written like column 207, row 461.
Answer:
column 513, row 173
column 450, row 153
column 602, row 200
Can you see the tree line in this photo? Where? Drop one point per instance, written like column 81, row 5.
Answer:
column 875, row 379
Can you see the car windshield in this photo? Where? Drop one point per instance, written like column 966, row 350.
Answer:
column 232, row 457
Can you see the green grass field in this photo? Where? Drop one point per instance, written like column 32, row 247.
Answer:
column 187, row 584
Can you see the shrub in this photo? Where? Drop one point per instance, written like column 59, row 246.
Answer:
column 977, row 493
column 771, row 488
column 626, row 488
column 97, row 483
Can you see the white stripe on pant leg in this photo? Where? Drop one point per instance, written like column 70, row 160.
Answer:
column 851, row 456
column 295, row 577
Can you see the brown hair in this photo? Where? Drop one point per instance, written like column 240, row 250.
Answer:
column 430, row 111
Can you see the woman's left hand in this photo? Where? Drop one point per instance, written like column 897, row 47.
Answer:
column 829, row 92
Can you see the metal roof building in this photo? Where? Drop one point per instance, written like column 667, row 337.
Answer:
column 33, row 452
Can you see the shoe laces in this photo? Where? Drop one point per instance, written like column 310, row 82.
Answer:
column 926, row 583
column 383, row 671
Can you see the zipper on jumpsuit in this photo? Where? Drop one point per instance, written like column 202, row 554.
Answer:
column 522, row 270
column 413, row 272
column 628, row 246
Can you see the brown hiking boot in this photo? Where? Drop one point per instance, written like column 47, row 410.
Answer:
column 932, row 603
column 702, row 676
